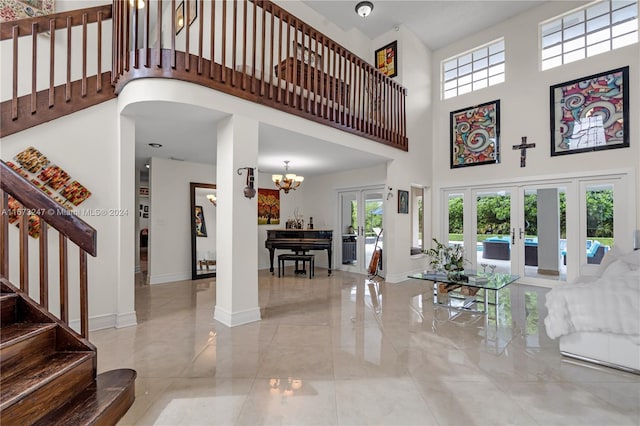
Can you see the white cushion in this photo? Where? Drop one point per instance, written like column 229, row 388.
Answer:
column 616, row 269
column 609, row 257
column 633, row 259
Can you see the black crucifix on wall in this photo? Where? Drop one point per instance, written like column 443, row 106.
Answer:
column 523, row 150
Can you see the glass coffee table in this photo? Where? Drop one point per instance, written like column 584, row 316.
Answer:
column 462, row 294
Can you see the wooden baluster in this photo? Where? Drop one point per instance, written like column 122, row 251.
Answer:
column 52, row 56
column 187, row 33
column 213, row 39
column 297, row 74
column 127, row 34
column 147, row 20
column 343, row 74
column 323, row 76
column 114, row 43
column 24, row 249
column 288, row 75
column 64, row 280
column 234, row 48
column 99, row 61
column 223, row 70
column 351, row 93
column 404, row 117
column 306, row 64
column 253, row 50
column 317, row 76
column 334, row 96
column 356, row 94
column 4, row 235
column 280, row 70
column 34, row 67
column 44, row 263
column 14, row 98
column 136, row 58
column 84, row 295
column 200, row 37
column 68, row 85
column 272, row 50
column 159, row 35
column 83, row 92
column 173, row 34
column 263, row 45
column 244, row 45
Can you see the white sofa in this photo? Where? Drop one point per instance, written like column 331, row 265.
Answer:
column 597, row 319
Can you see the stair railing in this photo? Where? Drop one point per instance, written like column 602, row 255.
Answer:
column 59, row 81
column 36, row 204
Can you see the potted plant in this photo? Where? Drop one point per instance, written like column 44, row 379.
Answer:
column 447, row 259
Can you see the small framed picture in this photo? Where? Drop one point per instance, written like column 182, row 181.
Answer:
column 179, row 18
column 403, row 201
column 386, row 59
column 590, row 113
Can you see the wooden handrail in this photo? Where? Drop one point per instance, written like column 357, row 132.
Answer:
column 33, row 199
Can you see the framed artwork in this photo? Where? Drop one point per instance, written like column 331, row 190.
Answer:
column 403, row 201
column 308, row 56
column 475, row 135
column 201, row 228
column 268, row 206
column 386, row 59
column 179, row 18
column 193, row 10
column 590, row 113
column 12, row 10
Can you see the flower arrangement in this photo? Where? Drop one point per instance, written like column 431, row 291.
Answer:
column 445, row 258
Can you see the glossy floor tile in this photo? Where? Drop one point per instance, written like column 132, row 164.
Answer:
column 341, row 350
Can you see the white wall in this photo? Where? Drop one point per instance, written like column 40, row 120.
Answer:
column 94, row 162
column 169, row 253
column 524, row 103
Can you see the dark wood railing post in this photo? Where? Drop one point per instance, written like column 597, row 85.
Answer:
column 4, row 234
column 44, row 264
column 64, row 279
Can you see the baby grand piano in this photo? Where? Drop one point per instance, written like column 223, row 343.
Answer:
column 299, row 240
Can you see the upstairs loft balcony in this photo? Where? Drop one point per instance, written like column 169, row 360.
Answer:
column 254, row 50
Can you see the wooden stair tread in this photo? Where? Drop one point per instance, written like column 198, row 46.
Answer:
column 103, row 402
column 4, row 296
column 15, row 333
column 15, row 387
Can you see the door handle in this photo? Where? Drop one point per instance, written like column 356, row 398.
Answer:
column 521, row 232
column 513, row 236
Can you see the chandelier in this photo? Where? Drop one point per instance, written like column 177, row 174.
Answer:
column 289, row 181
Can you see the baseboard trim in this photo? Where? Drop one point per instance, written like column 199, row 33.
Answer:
column 168, row 278
column 126, row 320
column 237, row 318
column 99, row 322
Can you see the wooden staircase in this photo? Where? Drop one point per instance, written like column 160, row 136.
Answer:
column 48, row 372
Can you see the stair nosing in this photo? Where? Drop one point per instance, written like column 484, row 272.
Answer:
column 45, row 381
column 45, row 326
column 4, row 296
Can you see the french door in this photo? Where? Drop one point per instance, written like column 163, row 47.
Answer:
column 361, row 212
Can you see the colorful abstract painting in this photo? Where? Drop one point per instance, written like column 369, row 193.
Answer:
column 590, row 113
column 268, row 206
column 12, row 10
column 475, row 135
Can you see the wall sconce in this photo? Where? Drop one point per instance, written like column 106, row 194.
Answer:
column 213, row 199
column 249, row 191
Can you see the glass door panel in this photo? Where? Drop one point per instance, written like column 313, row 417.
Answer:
column 494, row 232
column 349, row 227
column 599, row 206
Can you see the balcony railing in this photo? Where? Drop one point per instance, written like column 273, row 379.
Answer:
column 257, row 51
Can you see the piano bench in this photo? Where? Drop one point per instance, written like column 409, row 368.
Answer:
column 297, row 258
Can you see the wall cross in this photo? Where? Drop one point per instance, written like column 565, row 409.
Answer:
column 523, row 150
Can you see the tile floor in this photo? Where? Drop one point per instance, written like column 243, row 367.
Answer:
column 336, row 350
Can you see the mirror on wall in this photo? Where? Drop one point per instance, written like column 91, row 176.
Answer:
column 203, row 230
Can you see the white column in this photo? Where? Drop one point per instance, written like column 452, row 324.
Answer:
column 237, row 224
column 548, row 231
column 125, row 299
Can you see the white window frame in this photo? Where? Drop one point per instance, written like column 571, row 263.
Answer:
column 475, row 69
column 596, row 28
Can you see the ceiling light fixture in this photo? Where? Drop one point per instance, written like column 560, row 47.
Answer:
column 155, row 145
column 364, row 8
column 147, row 165
column 289, row 181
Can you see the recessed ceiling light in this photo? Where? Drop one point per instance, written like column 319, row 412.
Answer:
column 155, row 145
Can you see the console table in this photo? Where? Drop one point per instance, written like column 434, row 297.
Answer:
column 305, row 76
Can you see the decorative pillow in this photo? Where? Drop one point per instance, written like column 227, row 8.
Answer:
column 609, row 257
column 617, row 268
